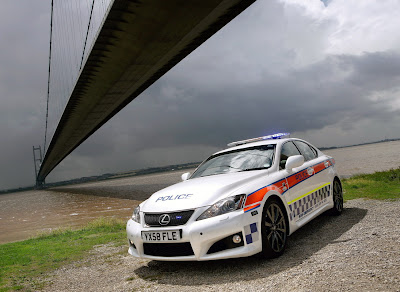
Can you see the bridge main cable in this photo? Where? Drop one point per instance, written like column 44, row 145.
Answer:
column 138, row 43
column 48, row 78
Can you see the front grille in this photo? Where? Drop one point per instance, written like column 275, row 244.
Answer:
column 168, row 249
column 175, row 218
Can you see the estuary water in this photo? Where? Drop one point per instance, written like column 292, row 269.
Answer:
column 26, row 214
column 366, row 158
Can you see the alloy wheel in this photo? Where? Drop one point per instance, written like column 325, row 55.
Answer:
column 276, row 228
column 337, row 196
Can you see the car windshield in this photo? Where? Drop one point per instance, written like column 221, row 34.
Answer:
column 254, row 158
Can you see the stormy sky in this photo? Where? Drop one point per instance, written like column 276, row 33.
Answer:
column 325, row 71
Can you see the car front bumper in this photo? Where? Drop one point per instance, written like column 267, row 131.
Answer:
column 199, row 236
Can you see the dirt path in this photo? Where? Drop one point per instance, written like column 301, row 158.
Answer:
column 357, row 251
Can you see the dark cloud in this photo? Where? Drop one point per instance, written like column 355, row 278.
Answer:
column 310, row 98
column 166, row 119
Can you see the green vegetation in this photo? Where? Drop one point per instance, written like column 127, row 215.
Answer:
column 379, row 186
column 21, row 263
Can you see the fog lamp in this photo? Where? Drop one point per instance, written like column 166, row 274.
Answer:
column 236, row 239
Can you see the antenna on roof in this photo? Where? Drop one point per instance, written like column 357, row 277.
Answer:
column 269, row 137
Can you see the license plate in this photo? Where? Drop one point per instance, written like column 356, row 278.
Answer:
column 161, row 236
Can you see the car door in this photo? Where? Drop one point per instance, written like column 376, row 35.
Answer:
column 322, row 174
column 318, row 164
column 302, row 181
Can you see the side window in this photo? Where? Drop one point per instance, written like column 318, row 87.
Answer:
column 288, row 149
column 308, row 152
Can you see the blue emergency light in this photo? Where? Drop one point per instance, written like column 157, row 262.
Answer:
column 269, row 137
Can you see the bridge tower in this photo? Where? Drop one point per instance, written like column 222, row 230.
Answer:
column 37, row 161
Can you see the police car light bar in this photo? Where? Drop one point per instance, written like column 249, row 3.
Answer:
column 269, row 137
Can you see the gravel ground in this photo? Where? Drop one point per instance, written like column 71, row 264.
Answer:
column 357, row 251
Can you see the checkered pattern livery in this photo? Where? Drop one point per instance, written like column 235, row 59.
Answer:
column 309, row 201
column 251, row 233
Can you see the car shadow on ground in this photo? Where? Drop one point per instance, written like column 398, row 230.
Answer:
column 305, row 242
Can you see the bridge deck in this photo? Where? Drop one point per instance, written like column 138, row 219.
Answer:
column 138, row 43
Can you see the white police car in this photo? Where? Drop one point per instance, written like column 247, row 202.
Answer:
column 241, row 201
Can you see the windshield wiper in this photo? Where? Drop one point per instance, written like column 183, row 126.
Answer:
column 256, row 168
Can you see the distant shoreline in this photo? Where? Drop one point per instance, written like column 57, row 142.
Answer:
column 152, row 170
column 361, row 144
column 108, row 176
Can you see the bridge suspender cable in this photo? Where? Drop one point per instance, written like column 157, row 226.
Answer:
column 48, row 78
column 87, row 33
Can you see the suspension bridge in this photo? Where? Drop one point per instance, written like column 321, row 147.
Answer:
column 104, row 53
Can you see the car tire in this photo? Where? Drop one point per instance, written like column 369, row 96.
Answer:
column 337, row 195
column 274, row 229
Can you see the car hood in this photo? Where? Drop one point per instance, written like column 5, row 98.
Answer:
column 199, row 192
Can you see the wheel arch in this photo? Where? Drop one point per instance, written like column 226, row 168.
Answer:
column 336, row 178
column 337, row 207
column 282, row 203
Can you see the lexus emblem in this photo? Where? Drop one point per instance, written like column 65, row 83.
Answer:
column 164, row 219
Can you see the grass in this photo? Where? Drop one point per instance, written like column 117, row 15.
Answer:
column 22, row 263
column 378, row 186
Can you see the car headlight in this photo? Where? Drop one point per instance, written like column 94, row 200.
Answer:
column 224, row 206
column 136, row 214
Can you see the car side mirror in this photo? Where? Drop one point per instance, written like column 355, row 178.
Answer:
column 185, row 176
column 294, row 161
